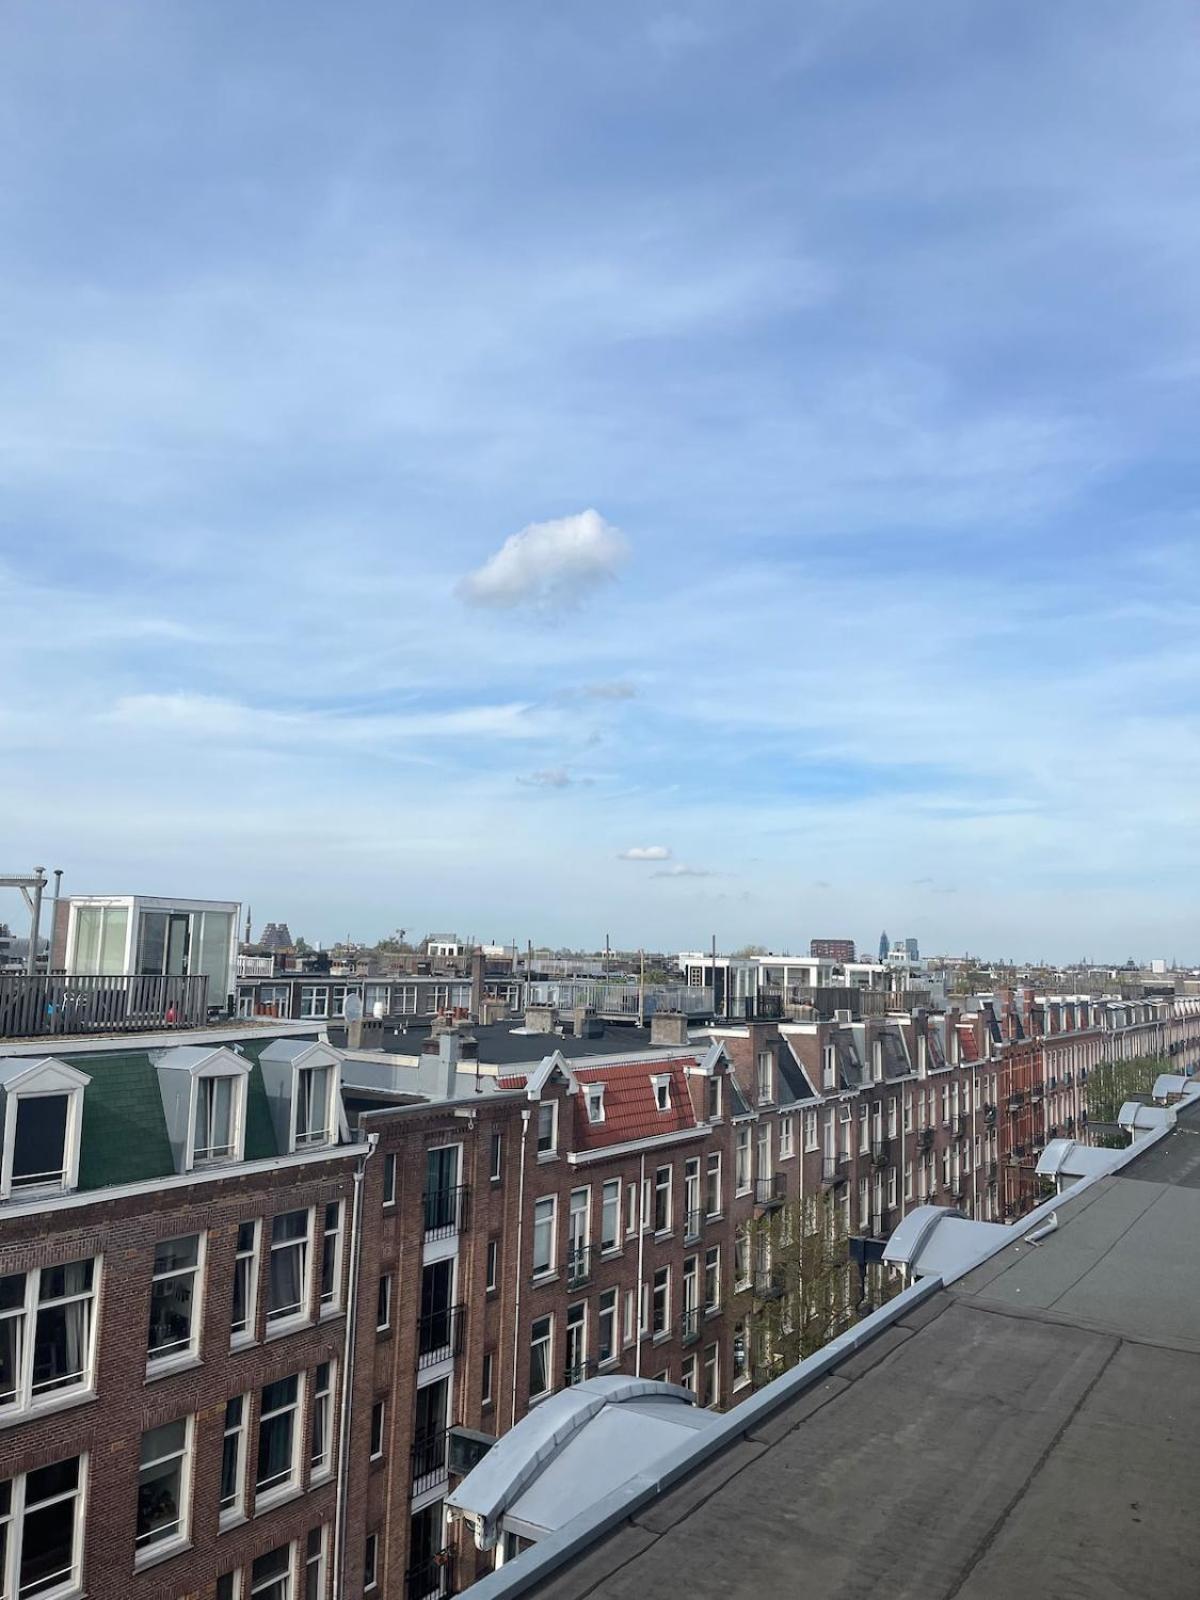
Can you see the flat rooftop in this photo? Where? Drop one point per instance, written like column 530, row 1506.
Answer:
column 1031, row 1427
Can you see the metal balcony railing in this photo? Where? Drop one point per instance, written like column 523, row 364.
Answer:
column 689, row 1324
column 578, row 1265
column 440, row 1335
column 433, row 1579
column 447, row 1211
column 577, row 1371
column 769, row 1284
column 832, row 1171
column 33, row 1005
column 881, row 1152
column 430, row 1455
column 693, row 1223
column 925, row 1139
column 772, row 1191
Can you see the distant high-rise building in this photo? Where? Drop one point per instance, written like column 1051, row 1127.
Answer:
column 884, row 946
column 832, row 949
column 276, row 936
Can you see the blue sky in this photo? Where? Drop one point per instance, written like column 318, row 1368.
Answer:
column 443, row 449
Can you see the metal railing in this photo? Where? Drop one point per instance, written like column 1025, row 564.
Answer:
column 693, row 1223
column 430, row 1460
column 34, row 1005
column 832, row 1170
column 578, row 1265
column 770, row 1191
column 769, row 1284
column 440, row 1335
column 689, row 1324
column 447, row 1211
column 881, row 1152
column 925, row 1139
column 432, row 1579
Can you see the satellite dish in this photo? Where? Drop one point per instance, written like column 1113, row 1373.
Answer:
column 353, row 1008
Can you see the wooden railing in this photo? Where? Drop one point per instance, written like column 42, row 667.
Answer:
column 37, row 1006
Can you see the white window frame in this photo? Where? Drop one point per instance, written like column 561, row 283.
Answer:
column 378, row 1409
column 551, row 1149
column 389, row 1178
column 371, row 1563
column 282, row 1487
column 321, row 1467
column 487, row 1378
column 148, row 1551
column 320, row 1561
column 610, row 1210
column 315, row 1138
column 667, row 1188
column 545, row 1266
column 492, row 1266
column 811, row 1141
column 235, row 1150
column 14, row 1526
column 312, row 1009
column 712, row 1278
column 252, row 1258
column 548, row 1341
column 330, row 1302
column 607, row 1310
column 26, row 1315
column 787, row 1137
column 301, row 1312
column 660, row 1083
column 714, row 1166
column 235, row 1511
column 595, row 1102
column 164, row 1360
column 287, row 1577
column 46, row 1079
column 766, row 1078
column 383, row 1312
column 743, row 1160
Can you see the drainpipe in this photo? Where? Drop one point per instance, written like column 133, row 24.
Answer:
column 520, row 1266
column 637, row 1310
column 343, row 1486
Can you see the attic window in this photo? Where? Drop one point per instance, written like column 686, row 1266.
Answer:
column 830, row 1067
column 43, row 1106
column 662, row 1092
column 219, row 1118
column 714, row 1098
column 595, row 1102
column 314, row 1099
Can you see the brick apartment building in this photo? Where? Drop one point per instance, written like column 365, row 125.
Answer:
column 249, row 1283
column 832, row 949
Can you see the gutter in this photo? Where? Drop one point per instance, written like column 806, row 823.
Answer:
column 525, row 1114
column 347, row 1403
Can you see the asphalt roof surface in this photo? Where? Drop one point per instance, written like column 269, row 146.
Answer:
column 1031, row 1429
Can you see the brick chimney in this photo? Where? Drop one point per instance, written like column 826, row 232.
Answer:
column 668, row 1028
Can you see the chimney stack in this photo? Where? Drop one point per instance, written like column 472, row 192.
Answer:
column 668, row 1028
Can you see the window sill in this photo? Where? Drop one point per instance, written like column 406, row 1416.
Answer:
column 229, row 1520
column 662, row 1234
column 241, row 1341
column 714, row 1216
column 168, row 1369
column 609, row 1252
column 547, row 1155
column 331, row 1314
column 44, row 1408
column 274, row 1498
column 539, row 1278
column 712, row 1311
column 159, row 1553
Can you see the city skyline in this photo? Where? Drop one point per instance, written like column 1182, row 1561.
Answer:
column 641, row 470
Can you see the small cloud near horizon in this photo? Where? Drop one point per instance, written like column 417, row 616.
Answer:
column 682, row 870
column 548, row 778
column 645, row 852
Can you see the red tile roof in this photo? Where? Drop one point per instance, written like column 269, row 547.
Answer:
column 630, row 1111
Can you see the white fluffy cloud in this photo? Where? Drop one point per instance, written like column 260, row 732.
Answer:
column 645, row 852
column 548, row 563
column 682, row 870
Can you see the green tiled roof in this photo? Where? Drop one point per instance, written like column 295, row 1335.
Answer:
column 124, row 1135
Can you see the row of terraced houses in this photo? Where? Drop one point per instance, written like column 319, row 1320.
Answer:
column 261, row 1294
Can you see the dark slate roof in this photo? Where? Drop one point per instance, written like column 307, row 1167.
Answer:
column 895, row 1062
column 500, row 1046
column 794, row 1086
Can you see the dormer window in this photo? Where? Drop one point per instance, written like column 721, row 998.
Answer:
column 204, row 1102
column 714, row 1098
column 830, row 1067
column 42, row 1109
column 314, row 1100
column 595, row 1102
column 661, row 1084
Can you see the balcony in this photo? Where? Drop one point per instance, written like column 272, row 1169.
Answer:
column 881, row 1152
column 430, row 1458
column 769, row 1284
column 447, row 1211
column 1015, row 1100
column 925, row 1139
column 577, row 1371
column 693, row 1223
column 961, row 1125
column 432, row 1579
column 1036, row 1094
column 578, row 1266
column 833, row 1171
column 989, row 1114
column 770, row 1193
column 440, row 1335
column 36, row 1006
column 689, row 1325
